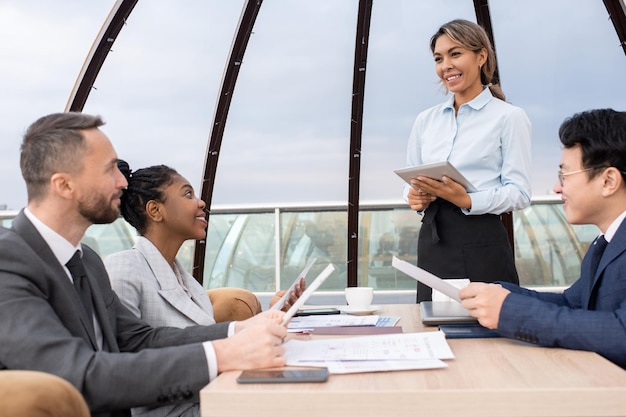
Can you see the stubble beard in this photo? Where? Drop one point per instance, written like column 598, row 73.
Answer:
column 99, row 211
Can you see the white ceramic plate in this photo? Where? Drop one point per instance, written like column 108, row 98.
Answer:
column 357, row 312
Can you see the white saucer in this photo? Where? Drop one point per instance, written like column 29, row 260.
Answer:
column 359, row 312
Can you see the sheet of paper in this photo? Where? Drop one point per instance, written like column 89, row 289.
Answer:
column 457, row 282
column 427, row 278
column 307, row 293
column 353, row 330
column 333, row 320
column 352, row 367
column 403, row 346
column 387, row 321
column 280, row 303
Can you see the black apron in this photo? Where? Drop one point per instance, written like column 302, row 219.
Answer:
column 454, row 245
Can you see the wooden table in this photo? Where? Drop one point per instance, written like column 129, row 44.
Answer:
column 489, row 377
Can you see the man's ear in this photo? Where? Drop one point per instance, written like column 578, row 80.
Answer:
column 61, row 185
column 153, row 210
column 613, row 181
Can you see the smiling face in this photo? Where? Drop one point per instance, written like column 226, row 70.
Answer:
column 183, row 213
column 458, row 68
column 582, row 197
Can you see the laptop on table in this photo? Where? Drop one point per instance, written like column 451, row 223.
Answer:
column 435, row 313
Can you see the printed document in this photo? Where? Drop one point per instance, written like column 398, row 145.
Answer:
column 333, row 320
column 387, row 352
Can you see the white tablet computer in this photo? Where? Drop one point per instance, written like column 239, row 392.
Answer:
column 435, row 171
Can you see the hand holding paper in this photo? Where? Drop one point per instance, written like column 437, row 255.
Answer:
column 307, row 293
column 280, row 303
column 427, row 278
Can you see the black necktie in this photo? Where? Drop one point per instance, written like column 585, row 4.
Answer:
column 596, row 255
column 79, row 275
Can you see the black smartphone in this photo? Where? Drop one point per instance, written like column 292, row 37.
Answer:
column 257, row 376
column 316, row 311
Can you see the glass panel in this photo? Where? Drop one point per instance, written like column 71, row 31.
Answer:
column 314, row 234
column 241, row 247
column 44, row 45
column 401, row 82
column 556, row 60
column 216, row 259
column 110, row 238
column 157, row 88
column 536, row 261
column 385, row 234
column 287, row 135
column 548, row 250
column 246, row 257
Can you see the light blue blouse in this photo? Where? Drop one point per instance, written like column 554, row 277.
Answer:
column 488, row 141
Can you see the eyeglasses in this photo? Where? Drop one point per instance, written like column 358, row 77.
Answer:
column 562, row 175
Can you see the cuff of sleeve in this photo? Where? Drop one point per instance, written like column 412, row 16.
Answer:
column 211, row 359
column 480, row 200
column 231, row 329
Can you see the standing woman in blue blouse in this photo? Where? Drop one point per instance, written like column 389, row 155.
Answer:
column 488, row 141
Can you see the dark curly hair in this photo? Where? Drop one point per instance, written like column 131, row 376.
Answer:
column 144, row 185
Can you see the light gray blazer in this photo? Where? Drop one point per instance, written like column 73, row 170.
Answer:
column 147, row 285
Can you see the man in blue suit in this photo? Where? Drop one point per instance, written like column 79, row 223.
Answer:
column 591, row 314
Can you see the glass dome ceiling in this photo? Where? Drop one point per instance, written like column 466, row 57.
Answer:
column 286, row 122
column 280, row 101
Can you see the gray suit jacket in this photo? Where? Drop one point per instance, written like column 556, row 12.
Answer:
column 590, row 315
column 42, row 328
column 147, row 285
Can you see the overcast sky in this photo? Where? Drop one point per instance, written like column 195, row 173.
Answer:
column 287, row 136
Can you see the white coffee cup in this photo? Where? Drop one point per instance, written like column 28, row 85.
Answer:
column 359, row 298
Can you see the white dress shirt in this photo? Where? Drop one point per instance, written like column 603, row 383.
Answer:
column 488, row 141
column 63, row 250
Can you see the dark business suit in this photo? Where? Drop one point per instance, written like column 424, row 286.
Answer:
column 42, row 327
column 590, row 315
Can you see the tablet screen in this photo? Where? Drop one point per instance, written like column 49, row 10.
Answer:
column 435, row 171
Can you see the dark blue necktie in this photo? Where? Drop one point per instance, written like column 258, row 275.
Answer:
column 81, row 284
column 596, row 255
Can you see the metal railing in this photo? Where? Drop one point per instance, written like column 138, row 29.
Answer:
column 263, row 248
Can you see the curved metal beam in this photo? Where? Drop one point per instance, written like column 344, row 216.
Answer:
column 356, row 133
column 112, row 26
column 617, row 13
column 229, row 79
column 483, row 18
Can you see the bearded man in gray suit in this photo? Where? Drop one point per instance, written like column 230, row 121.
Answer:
column 116, row 360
